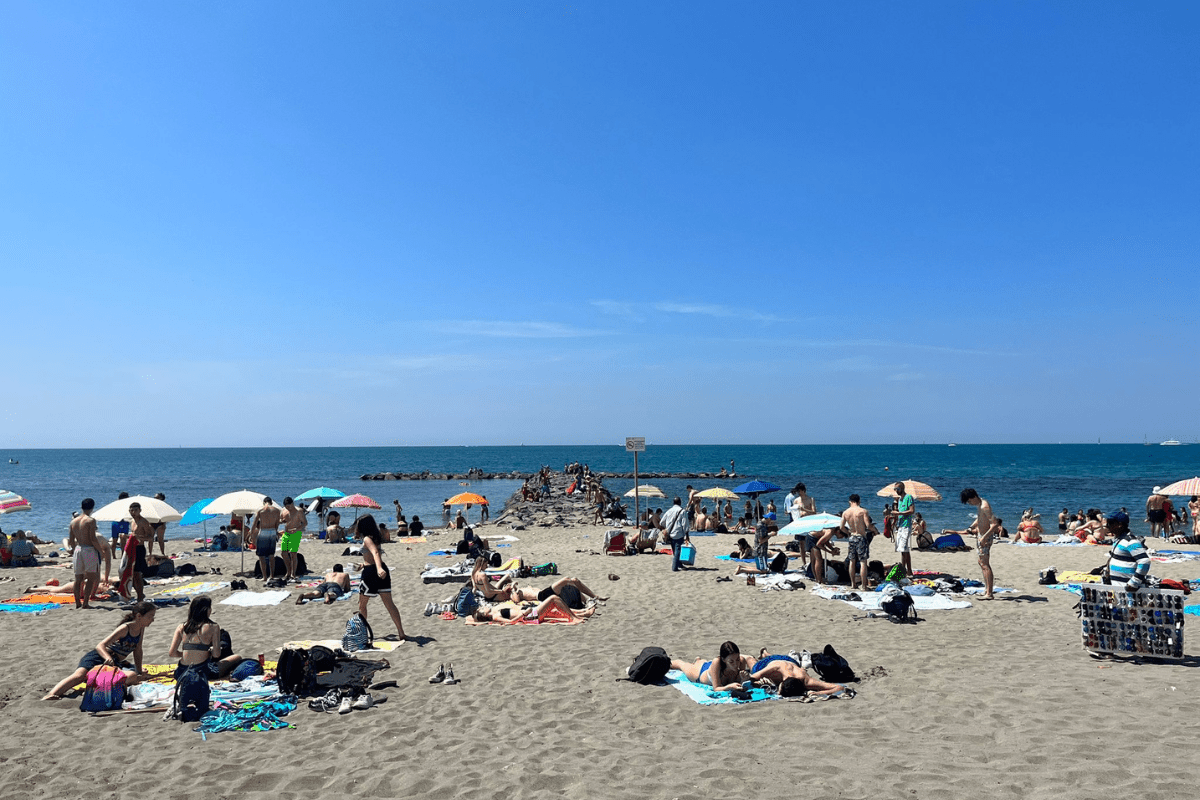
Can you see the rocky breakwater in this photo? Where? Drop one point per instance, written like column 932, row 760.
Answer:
column 559, row 510
column 470, row 475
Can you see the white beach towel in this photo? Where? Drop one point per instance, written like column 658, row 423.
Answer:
column 256, row 598
column 871, row 600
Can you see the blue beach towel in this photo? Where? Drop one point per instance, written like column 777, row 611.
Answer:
column 731, row 558
column 28, row 608
column 705, row 696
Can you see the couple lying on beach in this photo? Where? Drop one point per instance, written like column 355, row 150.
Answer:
column 730, row 670
column 565, row 596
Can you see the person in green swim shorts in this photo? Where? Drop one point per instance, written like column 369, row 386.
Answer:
column 294, row 522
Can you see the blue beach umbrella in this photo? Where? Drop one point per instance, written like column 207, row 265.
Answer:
column 321, row 491
column 195, row 515
column 755, row 488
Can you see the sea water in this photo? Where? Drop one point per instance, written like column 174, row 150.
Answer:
column 1012, row 477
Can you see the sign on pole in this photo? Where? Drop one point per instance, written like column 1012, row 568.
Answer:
column 635, row 445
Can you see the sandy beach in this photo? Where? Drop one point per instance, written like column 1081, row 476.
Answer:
column 995, row 700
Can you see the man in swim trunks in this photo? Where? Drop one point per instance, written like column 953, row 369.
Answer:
column 780, row 669
column 1155, row 514
column 265, row 532
column 902, row 526
column 294, row 523
column 337, row 584
column 1063, row 516
column 160, row 529
column 985, row 527
column 83, row 544
column 857, row 522
column 134, row 566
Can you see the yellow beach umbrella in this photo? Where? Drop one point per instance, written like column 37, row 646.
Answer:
column 719, row 493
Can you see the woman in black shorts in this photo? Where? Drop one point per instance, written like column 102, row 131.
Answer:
column 376, row 580
column 570, row 590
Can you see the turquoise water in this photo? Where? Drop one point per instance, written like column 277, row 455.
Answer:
column 1012, row 477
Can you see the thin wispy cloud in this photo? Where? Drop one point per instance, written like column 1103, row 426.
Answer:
column 713, row 310
column 501, row 329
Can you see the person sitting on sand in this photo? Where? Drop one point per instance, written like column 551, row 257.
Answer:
column 401, row 526
column 744, row 550
column 460, row 521
column 1093, row 531
column 792, row 680
column 417, row 527
column 23, row 551
column 482, row 584
column 506, row 615
column 197, row 643
column 114, row 650
column 724, row 673
column 571, row 590
column 1029, row 530
column 337, row 584
column 334, row 532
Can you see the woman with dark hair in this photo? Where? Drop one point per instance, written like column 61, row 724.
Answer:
column 571, row 590
column 482, row 584
column 724, row 673
column 197, row 643
column 376, row 581
column 114, row 651
column 507, row 614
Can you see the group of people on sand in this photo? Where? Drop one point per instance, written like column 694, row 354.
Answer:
column 731, row 670
column 568, row 596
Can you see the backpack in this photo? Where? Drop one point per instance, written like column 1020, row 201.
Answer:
column 650, row 667
column 544, row 569
column 924, row 540
column 226, row 648
column 293, row 671
column 359, row 635
column 832, row 667
column 220, row 542
column 900, row 608
column 321, row 659
column 895, row 574
column 951, row 541
column 465, row 602
column 191, row 695
column 779, row 562
column 247, row 668
column 105, row 689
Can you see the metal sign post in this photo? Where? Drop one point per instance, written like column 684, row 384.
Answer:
column 635, row 445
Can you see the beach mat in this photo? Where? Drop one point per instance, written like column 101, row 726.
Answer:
column 381, row 645
column 54, row 599
column 871, row 600
column 28, row 608
column 738, row 560
column 705, row 696
column 553, row 615
column 193, row 588
column 249, row 599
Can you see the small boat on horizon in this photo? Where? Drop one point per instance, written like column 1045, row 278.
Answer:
column 952, row 444
column 13, row 461
column 1170, row 443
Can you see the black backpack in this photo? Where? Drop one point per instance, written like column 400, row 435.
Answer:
column 832, row 667
column 779, row 562
column 294, row 671
column 191, row 695
column 650, row 666
column 900, row 608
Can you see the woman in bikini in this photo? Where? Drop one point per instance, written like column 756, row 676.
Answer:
column 483, row 584
column 197, row 643
column 510, row 615
column 115, row 650
column 572, row 591
column 724, row 673
column 376, row 581
column 1030, row 530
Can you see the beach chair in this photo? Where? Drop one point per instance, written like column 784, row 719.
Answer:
column 614, row 543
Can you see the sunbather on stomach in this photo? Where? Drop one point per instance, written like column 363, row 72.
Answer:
column 724, row 673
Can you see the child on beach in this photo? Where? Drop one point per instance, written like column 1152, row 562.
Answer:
column 114, row 650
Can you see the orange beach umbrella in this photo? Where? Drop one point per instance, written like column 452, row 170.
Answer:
column 919, row 491
column 467, row 499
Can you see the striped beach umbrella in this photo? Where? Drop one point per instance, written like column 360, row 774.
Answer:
column 919, row 491
column 1178, row 489
column 11, row 501
column 356, row 501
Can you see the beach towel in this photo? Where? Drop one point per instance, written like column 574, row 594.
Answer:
column 500, row 537
column 1075, row 543
column 731, row 558
column 53, row 599
column 705, row 696
column 28, row 608
column 454, row 573
column 411, row 539
column 552, row 615
column 1174, row 556
column 442, row 552
column 256, row 598
column 257, row 715
column 1194, row 610
column 1074, row 576
column 380, row 646
column 871, row 600
column 194, row 588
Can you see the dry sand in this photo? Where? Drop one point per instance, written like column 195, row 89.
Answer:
column 998, row 700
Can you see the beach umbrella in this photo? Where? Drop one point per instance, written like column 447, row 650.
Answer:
column 355, row 501
column 645, row 490
column 243, row 502
column 919, row 491
column 467, row 499
column 153, row 510
column 755, row 488
column 11, row 501
column 811, row 524
column 719, row 493
column 195, row 515
column 321, row 492
column 1178, row 489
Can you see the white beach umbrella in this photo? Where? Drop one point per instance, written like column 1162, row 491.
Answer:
column 153, row 510
column 811, row 524
column 645, row 490
column 243, row 502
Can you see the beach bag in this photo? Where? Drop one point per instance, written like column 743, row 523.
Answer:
column 779, row 562
column 899, row 608
column 649, row 667
column 293, row 671
column 105, row 689
column 832, row 667
column 895, row 574
column 226, row 648
column 359, row 635
column 924, row 540
column 321, row 659
column 191, row 694
column 466, row 602
column 248, row 668
column 220, row 542
column 544, row 569
column 1171, row 583
column 951, row 541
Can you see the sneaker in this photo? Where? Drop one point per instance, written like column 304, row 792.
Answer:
column 440, row 675
column 429, row 609
column 362, row 703
column 345, row 706
column 450, row 679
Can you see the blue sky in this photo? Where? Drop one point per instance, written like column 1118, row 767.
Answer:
column 502, row 223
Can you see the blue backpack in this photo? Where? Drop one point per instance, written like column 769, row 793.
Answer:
column 191, row 695
column 951, row 541
column 359, row 635
column 466, row 602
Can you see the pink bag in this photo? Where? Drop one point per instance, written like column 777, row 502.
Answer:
column 105, row 689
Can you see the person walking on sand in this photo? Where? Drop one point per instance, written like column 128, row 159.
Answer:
column 295, row 521
column 857, row 522
column 375, row 581
column 902, row 520
column 675, row 529
column 985, row 526
column 265, row 534
column 85, row 549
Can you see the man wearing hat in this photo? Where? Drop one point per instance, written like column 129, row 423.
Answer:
column 1155, row 514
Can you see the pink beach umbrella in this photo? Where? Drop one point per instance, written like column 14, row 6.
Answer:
column 11, row 501
column 1182, row 488
column 356, row 501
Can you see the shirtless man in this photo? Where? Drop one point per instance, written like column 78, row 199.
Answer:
column 857, row 523
column 86, row 549
column 800, row 504
column 780, row 670
column 265, row 532
column 399, row 511
column 337, row 584
column 160, row 529
column 985, row 526
column 294, row 523
column 140, row 535
column 701, row 520
column 1155, row 514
